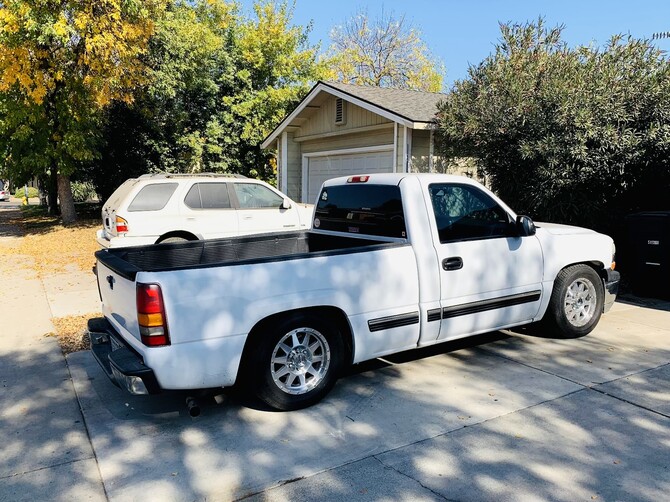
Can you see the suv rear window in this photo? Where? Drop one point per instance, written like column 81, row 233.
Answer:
column 364, row 209
column 153, row 197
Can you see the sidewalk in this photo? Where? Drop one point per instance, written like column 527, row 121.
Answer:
column 47, row 454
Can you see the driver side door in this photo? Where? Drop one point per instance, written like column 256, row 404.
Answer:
column 490, row 277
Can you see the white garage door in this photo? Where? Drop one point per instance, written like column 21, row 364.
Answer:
column 320, row 169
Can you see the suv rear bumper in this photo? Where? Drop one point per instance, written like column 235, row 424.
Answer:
column 121, row 363
column 123, row 241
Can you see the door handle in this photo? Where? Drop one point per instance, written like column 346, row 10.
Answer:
column 453, row 263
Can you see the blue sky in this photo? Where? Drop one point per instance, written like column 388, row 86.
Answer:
column 464, row 32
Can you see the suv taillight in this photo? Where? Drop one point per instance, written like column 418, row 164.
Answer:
column 151, row 315
column 121, row 225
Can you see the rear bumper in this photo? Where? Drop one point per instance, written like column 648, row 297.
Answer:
column 124, row 240
column 611, row 284
column 121, row 363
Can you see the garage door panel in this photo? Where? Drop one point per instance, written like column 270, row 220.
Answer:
column 324, row 168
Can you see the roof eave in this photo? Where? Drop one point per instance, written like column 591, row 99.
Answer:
column 321, row 86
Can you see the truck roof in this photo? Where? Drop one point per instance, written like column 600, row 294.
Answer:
column 395, row 178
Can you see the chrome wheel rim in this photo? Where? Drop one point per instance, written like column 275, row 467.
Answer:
column 580, row 302
column 300, row 361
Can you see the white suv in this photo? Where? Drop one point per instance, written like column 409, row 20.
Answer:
column 157, row 208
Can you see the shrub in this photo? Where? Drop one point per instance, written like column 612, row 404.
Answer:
column 83, row 191
column 19, row 193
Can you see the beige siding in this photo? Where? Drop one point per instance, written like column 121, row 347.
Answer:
column 420, row 158
column 324, row 120
column 358, row 140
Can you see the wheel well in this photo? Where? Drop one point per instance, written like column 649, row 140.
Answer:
column 336, row 315
column 177, row 233
column 597, row 267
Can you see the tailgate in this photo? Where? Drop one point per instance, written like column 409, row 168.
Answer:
column 117, row 291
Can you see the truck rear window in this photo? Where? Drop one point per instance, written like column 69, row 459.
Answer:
column 361, row 209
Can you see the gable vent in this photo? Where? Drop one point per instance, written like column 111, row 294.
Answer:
column 340, row 117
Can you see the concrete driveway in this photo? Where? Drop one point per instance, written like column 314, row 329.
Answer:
column 498, row 417
column 495, row 418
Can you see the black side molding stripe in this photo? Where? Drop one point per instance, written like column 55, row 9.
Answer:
column 434, row 315
column 394, row 321
column 492, row 304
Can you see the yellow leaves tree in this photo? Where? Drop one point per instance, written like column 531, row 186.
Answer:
column 382, row 52
column 61, row 63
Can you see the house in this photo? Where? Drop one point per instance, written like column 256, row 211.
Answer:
column 342, row 129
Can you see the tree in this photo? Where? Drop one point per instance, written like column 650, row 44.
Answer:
column 276, row 67
column 219, row 83
column 383, row 52
column 571, row 135
column 61, row 63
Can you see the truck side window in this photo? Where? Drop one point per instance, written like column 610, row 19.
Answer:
column 463, row 212
column 152, row 197
column 208, row 196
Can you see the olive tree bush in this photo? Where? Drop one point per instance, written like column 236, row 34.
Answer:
column 575, row 135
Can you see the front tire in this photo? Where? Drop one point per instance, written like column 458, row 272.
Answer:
column 298, row 362
column 576, row 302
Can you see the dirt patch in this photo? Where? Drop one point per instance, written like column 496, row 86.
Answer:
column 54, row 247
column 71, row 332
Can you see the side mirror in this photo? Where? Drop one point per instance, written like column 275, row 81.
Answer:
column 525, row 226
column 286, row 204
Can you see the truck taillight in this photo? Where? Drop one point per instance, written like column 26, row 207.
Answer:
column 357, row 179
column 151, row 315
column 121, row 225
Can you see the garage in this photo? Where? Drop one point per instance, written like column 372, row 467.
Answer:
column 320, row 167
column 343, row 129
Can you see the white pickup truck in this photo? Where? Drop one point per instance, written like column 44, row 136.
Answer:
column 393, row 262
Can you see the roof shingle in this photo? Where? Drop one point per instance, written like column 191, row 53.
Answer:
column 416, row 106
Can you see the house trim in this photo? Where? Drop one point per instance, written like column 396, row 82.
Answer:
column 310, row 137
column 348, row 97
column 284, row 161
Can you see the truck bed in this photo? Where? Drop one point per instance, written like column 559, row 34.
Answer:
column 238, row 250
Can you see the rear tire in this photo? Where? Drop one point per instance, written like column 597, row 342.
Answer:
column 576, row 302
column 297, row 363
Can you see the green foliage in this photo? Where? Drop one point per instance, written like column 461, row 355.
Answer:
column 571, row 135
column 382, row 52
column 20, row 192
column 61, row 63
column 83, row 191
column 220, row 82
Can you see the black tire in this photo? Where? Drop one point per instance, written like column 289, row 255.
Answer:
column 576, row 302
column 297, row 363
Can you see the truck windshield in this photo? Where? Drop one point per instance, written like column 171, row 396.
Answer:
column 361, row 209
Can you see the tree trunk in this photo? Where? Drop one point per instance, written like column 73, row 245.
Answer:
column 41, row 186
column 52, row 198
column 67, row 212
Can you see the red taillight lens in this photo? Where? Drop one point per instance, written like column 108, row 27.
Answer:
column 121, row 225
column 151, row 315
column 357, row 179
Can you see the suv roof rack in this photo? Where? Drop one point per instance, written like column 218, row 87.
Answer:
column 191, row 175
